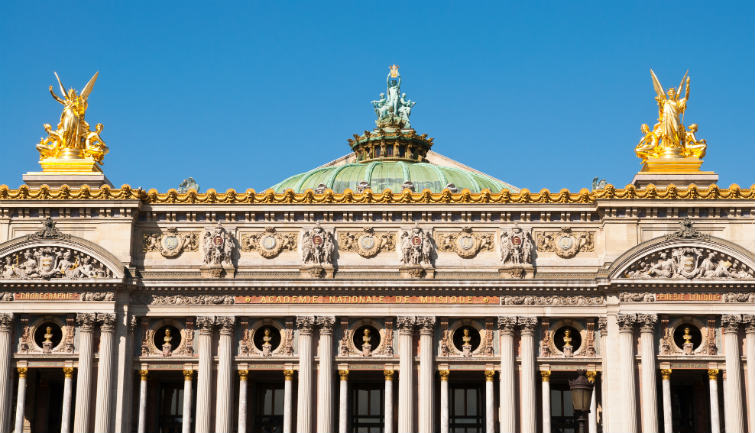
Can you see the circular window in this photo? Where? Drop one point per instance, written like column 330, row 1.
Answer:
column 687, row 332
column 267, row 335
column 167, row 335
column 466, row 335
column 567, row 335
column 366, row 334
column 48, row 332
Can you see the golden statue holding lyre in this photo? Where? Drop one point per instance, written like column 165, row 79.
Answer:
column 73, row 146
column 669, row 146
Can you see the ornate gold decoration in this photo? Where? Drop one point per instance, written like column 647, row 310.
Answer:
column 269, row 243
column 545, row 375
column 344, row 374
column 68, row 372
column 366, row 243
column 666, row 373
column 143, row 374
column 188, row 374
column 22, row 372
column 444, row 373
column 591, row 375
column 565, row 243
column 713, row 374
column 73, row 146
column 243, row 375
column 465, row 243
column 489, row 375
column 669, row 146
column 288, row 374
column 388, row 374
column 171, row 243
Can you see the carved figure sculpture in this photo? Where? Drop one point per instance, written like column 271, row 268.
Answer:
column 318, row 246
column 218, row 246
column 167, row 346
column 366, row 346
column 393, row 108
column 466, row 346
column 516, row 247
column 416, row 247
column 267, row 346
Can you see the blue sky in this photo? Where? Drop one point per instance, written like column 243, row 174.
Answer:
column 244, row 94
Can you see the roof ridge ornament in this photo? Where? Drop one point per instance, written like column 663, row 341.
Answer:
column 687, row 231
column 49, row 231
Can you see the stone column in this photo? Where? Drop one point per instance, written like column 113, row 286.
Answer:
column 204, row 377
column 507, row 413
column 733, row 386
column 242, row 400
column 668, row 421
column 444, row 400
column 546, row 398
column 325, row 375
column 647, row 373
column 388, row 427
column 304, row 400
column 102, row 414
column 715, row 421
column 626, row 371
column 528, row 404
column 81, row 418
column 186, row 420
column 20, row 399
column 223, row 397
column 343, row 401
column 603, row 328
column 426, row 369
column 288, row 400
column 592, row 417
column 125, row 374
column 6, row 328
column 142, row 424
column 749, row 322
column 489, row 401
column 406, row 402
column 65, row 419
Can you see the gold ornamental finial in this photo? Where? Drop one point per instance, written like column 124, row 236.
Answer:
column 394, row 71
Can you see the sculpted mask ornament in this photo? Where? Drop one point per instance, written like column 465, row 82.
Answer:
column 465, row 243
column 366, row 243
column 565, row 243
column 269, row 243
column 171, row 243
column 689, row 263
column 317, row 246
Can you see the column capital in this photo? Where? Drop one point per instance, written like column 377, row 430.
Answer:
column 426, row 324
column 243, row 375
column 388, row 374
column 6, row 322
column 406, row 323
column 143, row 373
column 288, row 374
column 545, row 375
column 713, row 374
column 205, row 324
column 326, row 324
column 666, row 373
column 107, row 322
column 22, row 372
column 591, row 375
column 489, row 375
column 647, row 322
column 748, row 320
column 626, row 321
column 86, row 321
column 68, row 372
column 344, row 374
column 730, row 322
column 444, row 373
column 305, row 324
column 226, row 324
column 507, row 324
column 188, row 374
column 527, row 324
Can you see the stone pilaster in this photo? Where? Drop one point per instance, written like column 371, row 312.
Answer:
column 426, row 369
column 288, row 400
column 733, row 384
column 444, row 419
column 186, row 421
column 102, row 415
column 528, row 403
column 81, row 420
column 143, row 382
column 545, row 375
column 406, row 402
column 388, row 423
column 325, row 375
column 626, row 370
column 6, row 328
column 648, row 373
column 20, row 399
column 304, row 399
column 715, row 421
column 206, row 325
column 507, row 413
column 224, row 394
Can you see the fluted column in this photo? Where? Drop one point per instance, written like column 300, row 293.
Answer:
column 733, row 385
column 507, row 414
column 242, row 400
column 444, row 400
column 20, row 399
column 388, row 423
column 406, row 380
column 325, row 375
column 647, row 373
column 6, row 327
column 81, row 418
column 528, row 403
column 715, row 421
column 749, row 322
column 668, row 420
column 204, row 376
column 223, row 397
column 102, row 414
column 426, row 369
column 65, row 419
column 546, row 399
column 592, row 417
column 304, row 398
column 489, row 401
column 626, row 370
column 142, row 423
column 288, row 400
column 186, row 420
column 343, row 401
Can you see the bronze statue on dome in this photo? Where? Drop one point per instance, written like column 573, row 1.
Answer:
column 393, row 109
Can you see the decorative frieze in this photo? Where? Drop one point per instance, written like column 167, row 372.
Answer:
column 189, row 299
column 171, row 243
column 552, row 300
column 465, row 243
column 565, row 243
column 367, row 243
column 689, row 263
column 269, row 243
column 45, row 263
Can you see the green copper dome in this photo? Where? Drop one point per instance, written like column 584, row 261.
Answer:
column 379, row 175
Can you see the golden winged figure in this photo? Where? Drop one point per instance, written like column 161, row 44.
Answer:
column 73, row 138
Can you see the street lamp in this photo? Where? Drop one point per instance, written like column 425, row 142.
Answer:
column 581, row 394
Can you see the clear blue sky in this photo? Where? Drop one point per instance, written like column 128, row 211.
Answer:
column 244, row 94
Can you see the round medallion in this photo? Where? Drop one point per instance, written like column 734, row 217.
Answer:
column 516, row 240
column 566, row 245
column 268, row 242
column 218, row 241
column 466, row 242
column 367, row 242
column 565, row 242
column 317, row 240
column 170, row 242
column 416, row 241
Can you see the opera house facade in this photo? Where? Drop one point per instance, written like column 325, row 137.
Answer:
column 391, row 290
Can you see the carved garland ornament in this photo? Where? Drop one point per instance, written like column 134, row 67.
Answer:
column 552, row 300
column 366, row 243
column 465, row 243
column 689, row 263
column 565, row 243
column 269, row 243
column 171, row 243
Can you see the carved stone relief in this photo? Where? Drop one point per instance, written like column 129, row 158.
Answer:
column 416, row 252
column 516, row 247
column 189, row 299
column 45, row 263
column 366, row 243
column 552, row 300
column 171, row 243
column 218, row 249
column 565, row 243
column 689, row 263
column 465, row 243
column 269, row 243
